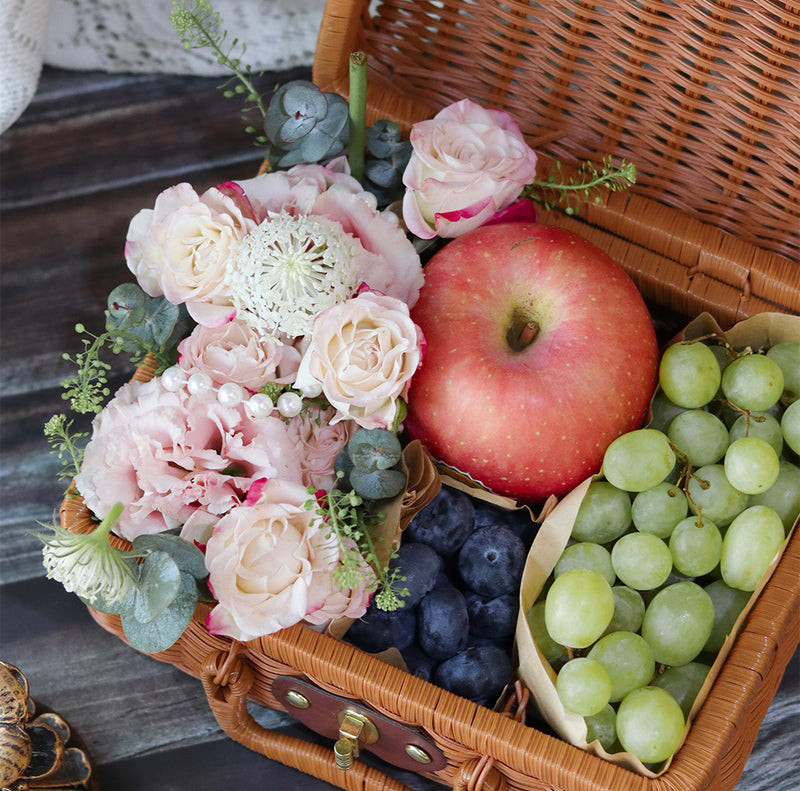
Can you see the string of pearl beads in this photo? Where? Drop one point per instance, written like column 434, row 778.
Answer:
column 230, row 394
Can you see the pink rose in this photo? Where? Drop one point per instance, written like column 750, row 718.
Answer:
column 363, row 352
column 264, row 560
column 181, row 247
column 327, row 601
column 318, row 444
column 236, row 352
column 386, row 259
column 178, row 460
column 467, row 163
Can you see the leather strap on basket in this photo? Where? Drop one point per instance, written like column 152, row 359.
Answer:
column 227, row 678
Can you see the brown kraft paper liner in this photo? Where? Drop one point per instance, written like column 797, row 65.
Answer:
column 760, row 331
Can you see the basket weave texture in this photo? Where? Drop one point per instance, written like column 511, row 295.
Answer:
column 703, row 97
column 705, row 100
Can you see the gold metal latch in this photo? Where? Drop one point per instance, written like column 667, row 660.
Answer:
column 354, row 727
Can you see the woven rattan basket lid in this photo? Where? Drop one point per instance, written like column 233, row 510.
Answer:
column 703, row 97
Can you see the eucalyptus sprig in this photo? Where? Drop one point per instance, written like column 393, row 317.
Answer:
column 200, row 27
column 560, row 189
column 351, row 521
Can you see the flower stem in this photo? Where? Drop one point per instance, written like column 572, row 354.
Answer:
column 358, row 113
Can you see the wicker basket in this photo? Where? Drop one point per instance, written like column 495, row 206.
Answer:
column 711, row 225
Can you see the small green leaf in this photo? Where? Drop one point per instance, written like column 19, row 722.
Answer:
column 374, row 449
column 186, row 555
column 159, row 581
column 160, row 633
column 378, row 484
column 126, row 305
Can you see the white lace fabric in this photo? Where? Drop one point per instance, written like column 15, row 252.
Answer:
column 136, row 36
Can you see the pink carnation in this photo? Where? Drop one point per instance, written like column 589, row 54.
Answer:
column 177, row 460
column 237, row 352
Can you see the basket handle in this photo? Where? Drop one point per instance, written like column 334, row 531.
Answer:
column 226, row 691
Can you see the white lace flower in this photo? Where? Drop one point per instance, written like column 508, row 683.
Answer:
column 290, row 268
column 88, row 565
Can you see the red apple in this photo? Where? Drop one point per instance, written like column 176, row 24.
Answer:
column 540, row 352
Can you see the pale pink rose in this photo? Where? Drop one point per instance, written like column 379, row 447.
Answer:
column 178, row 460
column 180, row 249
column 363, row 352
column 386, row 261
column 327, row 601
column 237, row 352
column 468, row 162
column 318, row 443
column 263, row 559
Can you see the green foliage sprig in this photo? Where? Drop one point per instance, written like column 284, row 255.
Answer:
column 64, row 444
column 200, row 27
column 560, row 189
column 351, row 520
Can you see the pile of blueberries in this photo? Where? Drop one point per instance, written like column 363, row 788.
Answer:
column 462, row 560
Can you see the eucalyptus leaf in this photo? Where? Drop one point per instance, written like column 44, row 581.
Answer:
column 384, row 138
column 378, row 484
column 374, row 449
column 162, row 632
column 159, row 581
column 185, row 554
column 382, row 172
column 126, row 305
column 304, row 98
column 294, row 128
column 344, row 464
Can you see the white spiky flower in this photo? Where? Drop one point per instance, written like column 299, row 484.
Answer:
column 290, row 268
column 87, row 564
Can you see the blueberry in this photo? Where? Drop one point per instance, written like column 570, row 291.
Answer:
column 445, row 522
column 418, row 662
column 420, row 565
column 479, row 673
column 378, row 630
column 491, row 561
column 518, row 520
column 494, row 618
column 442, row 622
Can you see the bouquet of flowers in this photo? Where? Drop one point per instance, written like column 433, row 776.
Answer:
column 272, row 315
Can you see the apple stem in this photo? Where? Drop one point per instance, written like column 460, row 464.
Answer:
column 522, row 332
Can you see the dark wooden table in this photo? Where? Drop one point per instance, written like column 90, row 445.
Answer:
column 90, row 151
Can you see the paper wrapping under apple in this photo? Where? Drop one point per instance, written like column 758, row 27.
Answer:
column 534, row 670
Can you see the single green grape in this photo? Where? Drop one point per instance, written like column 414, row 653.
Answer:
column 638, row 460
column 604, row 514
column 583, row 686
column 586, row 555
column 628, row 660
column 710, row 491
column 650, row 724
column 728, row 604
column 602, row 727
column 578, row 607
column 753, row 381
column 659, row 509
column 551, row 650
column 678, row 622
column 758, row 424
column 696, row 546
column 663, row 411
column 751, row 465
column 683, row 683
column 790, row 426
column 628, row 610
column 787, row 355
column 749, row 546
column 784, row 495
column 642, row 561
column 689, row 374
column 700, row 436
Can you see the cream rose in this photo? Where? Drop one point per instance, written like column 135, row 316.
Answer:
column 363, row 352
column 263, row 559
column 467, row 163
column 180, row 248
column 237, row 352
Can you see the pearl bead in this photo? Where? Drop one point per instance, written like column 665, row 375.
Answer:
column 311, row 390
column 260, row 405
column 290, row 404
column 199, row 384
column 230, row 394
column 173, row 379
